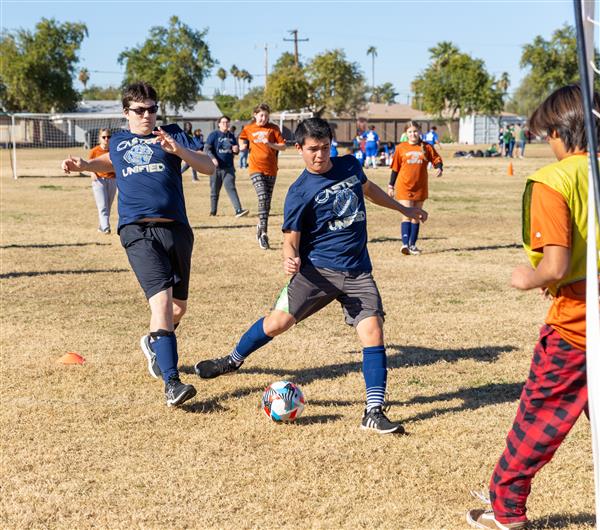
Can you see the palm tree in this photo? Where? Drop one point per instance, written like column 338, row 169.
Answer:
column 372, row 51
column 222, row 75
column 235, row 73
column 442, row 52
column 84, row 77
column 504, row 82
column 247, row 77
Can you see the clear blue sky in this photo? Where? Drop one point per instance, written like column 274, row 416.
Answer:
column 402, row 31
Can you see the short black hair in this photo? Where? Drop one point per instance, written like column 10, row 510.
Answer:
column 316, row 128
column 562, row 114
column 223, row 118
column 138, row 92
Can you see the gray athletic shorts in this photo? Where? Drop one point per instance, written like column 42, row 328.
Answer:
column 312, row 289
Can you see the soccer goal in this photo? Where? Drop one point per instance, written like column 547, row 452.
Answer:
column 36, row 143
column 585, row 24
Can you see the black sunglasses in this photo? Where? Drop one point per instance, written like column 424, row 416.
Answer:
column 140, row 111
column 105, row 137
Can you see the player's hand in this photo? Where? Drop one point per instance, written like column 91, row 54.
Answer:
column 235, row 149
column 167, row 142
column 416, row 213
column 390, row 191
column 521, row 277
column 215, row 162
column 73, row 163
column 291, row 265
column 439, row 172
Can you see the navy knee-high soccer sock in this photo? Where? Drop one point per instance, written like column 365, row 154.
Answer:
column 375, row 374
column 405, row 230
column 414, row 234
column 164, row 345
column 252, row 340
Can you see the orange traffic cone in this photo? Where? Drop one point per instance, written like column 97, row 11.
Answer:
column 71, row 358
column 511, row 171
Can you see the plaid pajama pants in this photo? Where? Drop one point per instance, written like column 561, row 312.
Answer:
column 553, row 397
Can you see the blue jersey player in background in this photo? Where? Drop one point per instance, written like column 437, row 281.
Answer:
column 325, row 253
column 153, row 223
column 371, row 147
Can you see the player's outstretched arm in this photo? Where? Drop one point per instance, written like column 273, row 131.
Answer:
column 377, row 196
column 198, row 161
column 102, row 164
column 291, row 252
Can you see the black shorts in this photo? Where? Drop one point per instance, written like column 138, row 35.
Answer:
column 311, row 289
column 160, row 254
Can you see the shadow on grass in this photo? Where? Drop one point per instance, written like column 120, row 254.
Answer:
column 319, row 419
column 478, row 249
column 562, row 520
column 472, row 398
column 405, row 356
column 30, row 274
column 223, row 227
column 55, row 245
column 384, row 239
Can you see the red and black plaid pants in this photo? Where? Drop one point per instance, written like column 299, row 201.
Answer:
column 553, row 397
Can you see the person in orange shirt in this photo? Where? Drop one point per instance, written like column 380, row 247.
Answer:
column 554, row 236
column 104, row 185
column 264, row 140
column 411, row 188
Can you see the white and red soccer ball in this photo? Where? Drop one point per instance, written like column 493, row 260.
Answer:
column 283, row 401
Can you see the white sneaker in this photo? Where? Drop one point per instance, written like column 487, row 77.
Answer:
column 405, row 250
column 484, row 519
column 413, row 250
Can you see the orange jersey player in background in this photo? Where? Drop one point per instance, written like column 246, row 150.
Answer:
column 409, row 180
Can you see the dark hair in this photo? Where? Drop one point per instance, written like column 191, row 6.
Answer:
column 187, row 127
column 316, row 128
column 561, row 114
column 223, row 118
column 138, row 92
column 434, row 128
column 262, row 106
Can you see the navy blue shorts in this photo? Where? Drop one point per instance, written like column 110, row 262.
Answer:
column 160, row 255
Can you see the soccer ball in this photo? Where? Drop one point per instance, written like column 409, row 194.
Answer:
column 283, row 401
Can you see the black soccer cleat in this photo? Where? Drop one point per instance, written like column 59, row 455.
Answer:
column 178, row 393
column 376, row 420
column 212, row 368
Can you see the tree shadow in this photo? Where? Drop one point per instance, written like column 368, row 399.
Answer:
column 214, row 404
column 405, row 356
column 222, row 227
column 472, row 398
column 318, row 420
column 562, row 520
column 384, row 239
column 54, row 245
column 477, row 249
column 30, row 274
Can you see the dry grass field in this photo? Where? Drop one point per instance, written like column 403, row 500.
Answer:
column 94, row 446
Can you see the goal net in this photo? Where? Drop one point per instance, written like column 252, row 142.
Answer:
column 35, row 144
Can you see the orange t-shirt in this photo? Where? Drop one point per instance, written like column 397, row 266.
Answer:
column 95, row 153
column 410, row 161
column 551, row 225
column 262, row 159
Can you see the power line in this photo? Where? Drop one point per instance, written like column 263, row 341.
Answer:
column 295, row 40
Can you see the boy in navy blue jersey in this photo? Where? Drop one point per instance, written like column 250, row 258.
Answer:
column 221, row 145
column 325, row 252
column 153, row 223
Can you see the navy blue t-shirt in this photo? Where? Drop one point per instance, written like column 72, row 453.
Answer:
column 219, row 144
column 329, row 212
column 148, row 178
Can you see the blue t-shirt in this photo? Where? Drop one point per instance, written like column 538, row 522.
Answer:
column 219, row 145
column 148, row 178
column 329, row 212
column 371, row 138
column 431, row 137
column 333, row 151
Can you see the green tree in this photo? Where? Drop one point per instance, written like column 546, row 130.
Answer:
column 287, row 86
column 235, row 73
column 455, row 84
column 174, row 59
column 37, row 69
column 383, row 94
column 94, row 92
column 84, row 77
column 372, row 51
column 336, row 84
column 245, row 106
column 551, row 63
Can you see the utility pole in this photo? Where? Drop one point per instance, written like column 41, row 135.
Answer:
column 266, row 65
column 295, row 40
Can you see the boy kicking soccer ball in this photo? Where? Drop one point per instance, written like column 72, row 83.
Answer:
column 325, row 252
column 554, row 237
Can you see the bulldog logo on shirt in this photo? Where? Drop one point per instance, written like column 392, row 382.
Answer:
column 345, row 202
column 139, row 155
